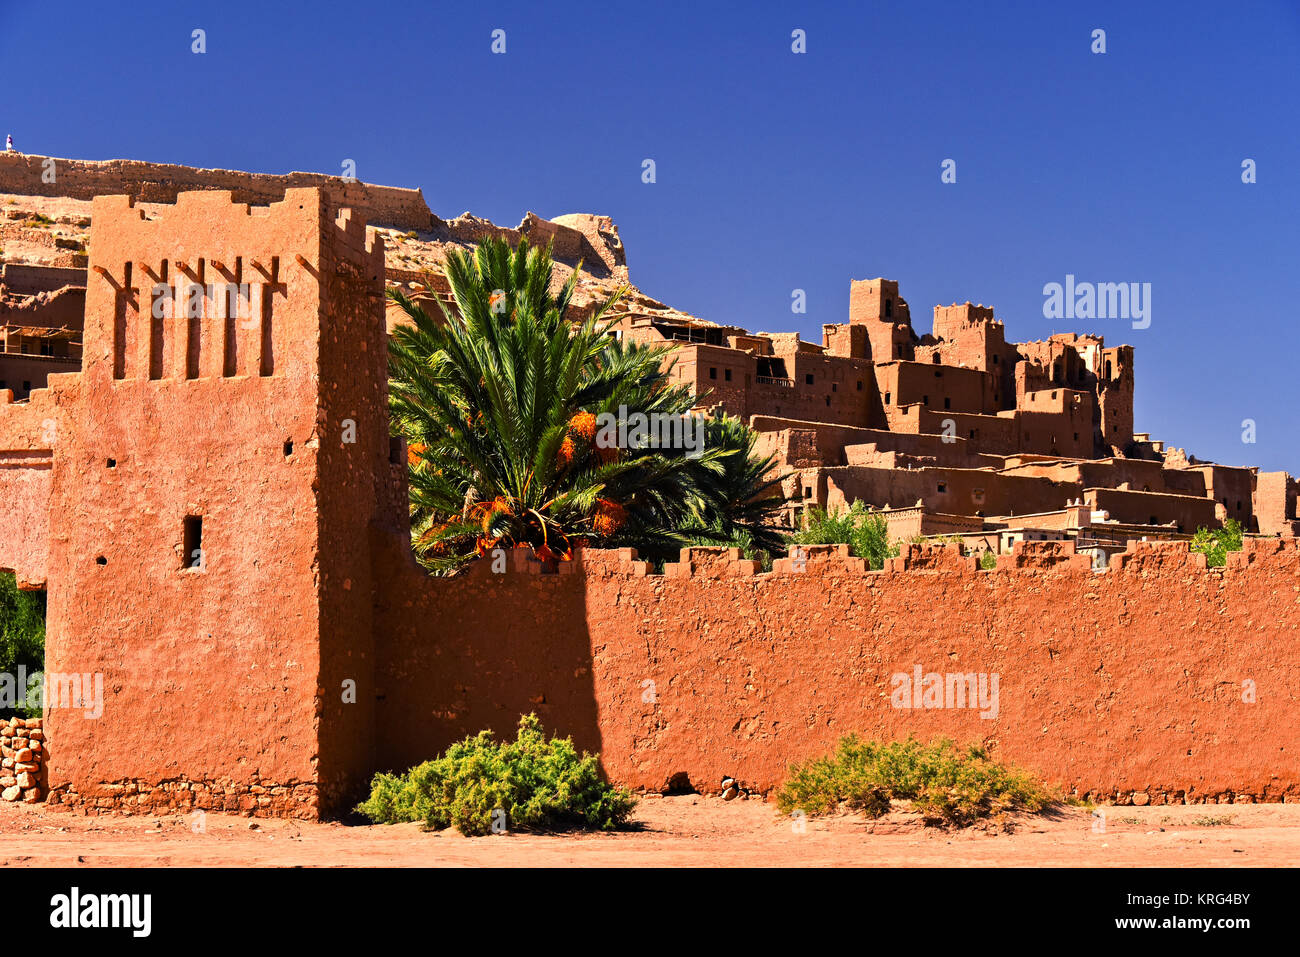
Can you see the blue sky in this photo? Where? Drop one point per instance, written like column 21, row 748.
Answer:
column 775, row 170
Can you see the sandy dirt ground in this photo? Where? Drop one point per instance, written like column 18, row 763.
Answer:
column 686, row 831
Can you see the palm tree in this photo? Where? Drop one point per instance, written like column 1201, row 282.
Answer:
column 741, row 499
column 500, row 400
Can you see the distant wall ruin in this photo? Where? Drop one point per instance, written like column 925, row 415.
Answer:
column 162, row 182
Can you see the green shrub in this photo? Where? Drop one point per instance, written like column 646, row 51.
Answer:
column 866, row 535
column 946, row 783
column 536, row 783
column 988, row 560
column 1216, row 544
column 22, row 635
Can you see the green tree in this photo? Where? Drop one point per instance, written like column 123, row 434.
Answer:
column 22, row 634
column 1215, row 544
column 500, row 400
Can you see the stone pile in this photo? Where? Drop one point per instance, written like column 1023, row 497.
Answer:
column 22, row 759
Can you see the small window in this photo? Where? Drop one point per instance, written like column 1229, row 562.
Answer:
column 972, row 433
column 943, row 488
column 935, row 359
column 859, row 385
column 192, row 543
column 828, row 400
column 111, row 464
column 887, row 398
column 808, row 378
column 889, row 308
column 726, row 374
column 394, row 449
column 807, row 493
column 995, row 360
column 713, row 372
column 1239, row 505
column 835, row 387
column 947, row 403
column 288, row 448
column 925, row 400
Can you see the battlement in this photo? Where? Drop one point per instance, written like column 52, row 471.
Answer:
column 204, row 288
column 835, row 561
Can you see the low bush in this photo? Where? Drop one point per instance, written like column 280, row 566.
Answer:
column 866, row 535
column 946, row 783
column 526, row 784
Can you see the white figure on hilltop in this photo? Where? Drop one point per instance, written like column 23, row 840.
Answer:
column 9, row 143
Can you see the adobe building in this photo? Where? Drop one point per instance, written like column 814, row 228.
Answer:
column 976, row 433
column 41, row 313
column 195, row 493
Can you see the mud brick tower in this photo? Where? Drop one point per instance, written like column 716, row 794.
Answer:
column 216, row 466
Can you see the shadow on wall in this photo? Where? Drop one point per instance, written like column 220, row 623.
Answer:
column 455, row 658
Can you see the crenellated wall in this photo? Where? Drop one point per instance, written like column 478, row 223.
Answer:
column 1131, row 682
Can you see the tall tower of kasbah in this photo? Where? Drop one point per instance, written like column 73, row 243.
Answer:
column 256, row 441
column 876, row 304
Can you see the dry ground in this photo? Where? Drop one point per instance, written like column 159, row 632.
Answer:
column 670, row 832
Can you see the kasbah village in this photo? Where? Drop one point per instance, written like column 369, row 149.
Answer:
column 218, row 505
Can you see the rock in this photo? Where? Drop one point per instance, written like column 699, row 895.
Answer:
column 32, row 795
column 24, row 755
column 11, row 794
column 7, row 780
column 1140, row 798
column 730, row 793
column 26, row 780
column 728, row 783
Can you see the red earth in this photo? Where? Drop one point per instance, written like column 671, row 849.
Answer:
column 685, row 831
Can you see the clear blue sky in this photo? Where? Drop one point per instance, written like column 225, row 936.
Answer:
column 775, row 171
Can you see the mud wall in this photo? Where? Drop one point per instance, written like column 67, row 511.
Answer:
column 1159, row 681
